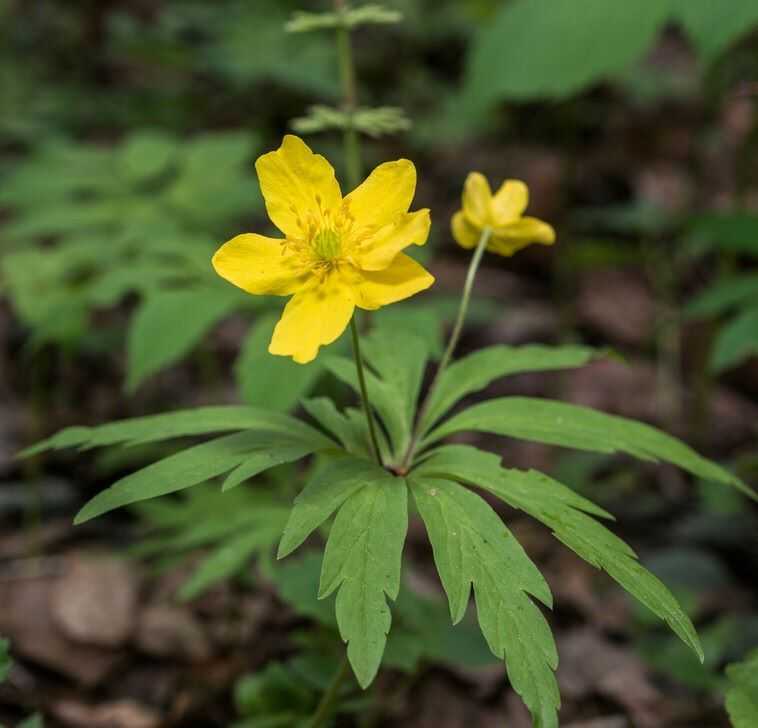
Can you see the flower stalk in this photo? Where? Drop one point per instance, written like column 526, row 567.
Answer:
column 455, row 335
column 373, row 440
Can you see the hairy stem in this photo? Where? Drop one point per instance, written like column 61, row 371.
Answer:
column 351, row 140
column 468, row 286
column 364, row 391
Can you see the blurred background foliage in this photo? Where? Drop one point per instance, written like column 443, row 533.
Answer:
column 128, row 129
column 128, row 132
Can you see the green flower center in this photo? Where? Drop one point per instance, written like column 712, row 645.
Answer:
column 327, row 244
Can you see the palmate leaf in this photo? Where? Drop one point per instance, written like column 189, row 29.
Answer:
column 569, row 516
column 182, row 470
column 266, row 439
column 181, row 423
column 330, row 485
column 363, row 552
column 472, row 546
column 362, row 563
column 559, row 423
column 277, row 453
column 478, row 370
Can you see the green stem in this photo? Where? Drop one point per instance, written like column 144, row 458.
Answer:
column 468, row 286
column 351, row 140
column 364, row 391
column 326, row 706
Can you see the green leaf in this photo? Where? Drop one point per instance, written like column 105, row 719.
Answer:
column 427, row 621
column 277, row 453
column 569, row 425
column 33, row 721
column 742, row 694
column 145, row 155
column 567, row 514
column 274, row 381
column 394, row 383
column 324, row 411
column 421, row 628
column 726, row 293
column 234, row 527
column 326, row 490
column 713, row 26
column 425, row 320
column 315, row 71
column 168, row 325
column 736, row 341
column 538, row 48
column 472, row 546
column 478, row 370
column 296, row 582
column 736, row 232
column 182, row 423
column 231, row 557
column 5, row 659
column 176, row 472
column 228, row 193
column 362, row 563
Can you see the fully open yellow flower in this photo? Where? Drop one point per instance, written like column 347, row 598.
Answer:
column 503, row 212
column 337, row 253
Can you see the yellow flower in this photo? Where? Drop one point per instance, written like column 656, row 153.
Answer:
column 502, row 212
column 337, row 253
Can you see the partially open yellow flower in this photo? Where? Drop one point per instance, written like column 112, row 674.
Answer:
column 503, row 212
column 337, row 253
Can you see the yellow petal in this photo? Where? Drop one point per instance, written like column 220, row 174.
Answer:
column 260, row 265
column 509, row 239
column 477, row 197
column 510, row 201
column 385, row 194
column 402, row 279
column 380, row 249
column 313, row 317
column 296, row 184
column 465, row 234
